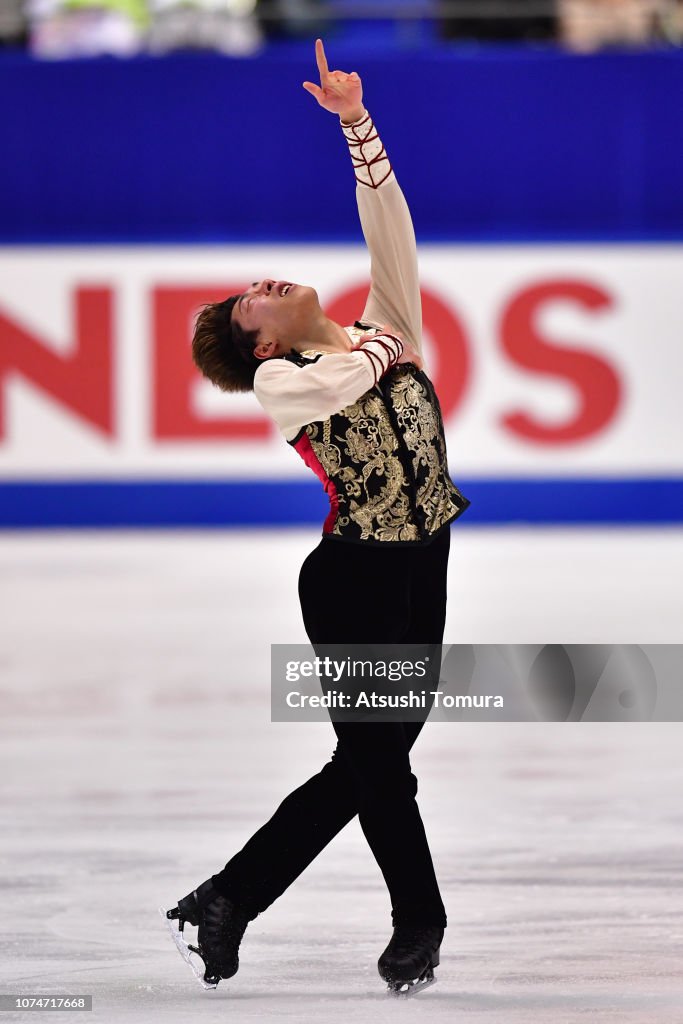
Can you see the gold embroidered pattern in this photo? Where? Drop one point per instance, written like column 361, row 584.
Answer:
column 358, row 450
column 386, row 455
column 436, row 494
column 372, row 476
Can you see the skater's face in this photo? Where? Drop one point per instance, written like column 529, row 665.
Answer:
column 280, row 311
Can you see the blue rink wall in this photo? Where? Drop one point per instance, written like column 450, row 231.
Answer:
column 169, row 503
column 490, row 146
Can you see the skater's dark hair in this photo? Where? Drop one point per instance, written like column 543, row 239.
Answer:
column 222, row 350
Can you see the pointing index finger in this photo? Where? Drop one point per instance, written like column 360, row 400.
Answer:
column 321, row 59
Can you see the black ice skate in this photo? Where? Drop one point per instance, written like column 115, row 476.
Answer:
column 221, row 926
column 408, row 962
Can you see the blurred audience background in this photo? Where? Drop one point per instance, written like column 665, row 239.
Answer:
column 55, row 29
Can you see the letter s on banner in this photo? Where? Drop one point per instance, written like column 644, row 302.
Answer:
column 596, row 381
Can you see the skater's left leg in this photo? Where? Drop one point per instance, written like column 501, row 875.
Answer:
column 379, row 752
column 390, row 818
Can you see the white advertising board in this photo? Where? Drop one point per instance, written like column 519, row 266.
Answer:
column 548, row 360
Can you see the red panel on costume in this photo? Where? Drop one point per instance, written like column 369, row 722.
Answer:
column 303, row 446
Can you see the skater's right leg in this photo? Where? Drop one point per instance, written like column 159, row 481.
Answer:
column 314, row 813
column 220, row 926
column 305, row 822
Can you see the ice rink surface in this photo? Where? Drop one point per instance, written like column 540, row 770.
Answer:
column 137, row 754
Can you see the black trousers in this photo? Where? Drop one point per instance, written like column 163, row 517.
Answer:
column 358, row 593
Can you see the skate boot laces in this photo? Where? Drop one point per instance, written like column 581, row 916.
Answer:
column 220, row 929
column 408, row 962
column 408, row 941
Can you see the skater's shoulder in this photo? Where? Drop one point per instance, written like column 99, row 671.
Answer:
column 274, row 367
column 271, row 374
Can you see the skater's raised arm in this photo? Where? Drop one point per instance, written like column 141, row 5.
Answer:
column 394, row 296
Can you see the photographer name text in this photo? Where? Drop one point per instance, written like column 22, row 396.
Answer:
column 412, row 699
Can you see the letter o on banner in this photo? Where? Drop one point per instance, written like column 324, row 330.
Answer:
column 452, row 370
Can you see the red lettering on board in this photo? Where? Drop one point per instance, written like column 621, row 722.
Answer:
column 175, row 374
column 82, row 380
column 595, row 380
column 453, row 361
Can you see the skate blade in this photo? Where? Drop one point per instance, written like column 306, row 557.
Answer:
column 411, row 988
column 186, row 953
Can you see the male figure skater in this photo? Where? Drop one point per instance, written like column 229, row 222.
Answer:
column 358, row 407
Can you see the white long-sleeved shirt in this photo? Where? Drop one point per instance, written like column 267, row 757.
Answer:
column 294, row 396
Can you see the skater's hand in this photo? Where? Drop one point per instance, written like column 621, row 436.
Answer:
column 372, row 336
column 338, row 92
column 409, row 354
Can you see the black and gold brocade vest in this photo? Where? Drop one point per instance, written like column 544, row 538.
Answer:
column 382, row 460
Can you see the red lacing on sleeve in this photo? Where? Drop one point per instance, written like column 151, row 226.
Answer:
column 393, row 355
column 372, row 356
column 360, row 161
column 357, row 124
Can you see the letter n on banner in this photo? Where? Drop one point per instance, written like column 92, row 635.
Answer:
column 175, row 375
column 81, row 381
